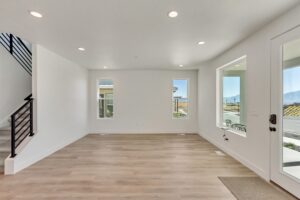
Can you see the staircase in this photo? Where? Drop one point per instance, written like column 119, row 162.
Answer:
column 11, row 137
column 21, row 121
column 21, row 126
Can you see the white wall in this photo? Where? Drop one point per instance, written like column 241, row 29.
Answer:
column 253, row 151
column 61, row 99
column 142, row 102
column 15, row 85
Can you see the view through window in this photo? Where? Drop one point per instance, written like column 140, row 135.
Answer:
column 105, row 99
column 291, row 108
column 180, row 98
column 232, row 91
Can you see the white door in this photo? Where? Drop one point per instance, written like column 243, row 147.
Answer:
column 285, row 104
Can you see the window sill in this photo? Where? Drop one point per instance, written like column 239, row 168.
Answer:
column 229, row 130
column 184, row 118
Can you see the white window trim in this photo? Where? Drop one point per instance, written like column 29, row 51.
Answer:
column 97, row 99
column 188, row 97
column 219, row 98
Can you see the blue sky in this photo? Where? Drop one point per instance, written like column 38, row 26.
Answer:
column 291, row 78
column 182, row 86
column 231, row 86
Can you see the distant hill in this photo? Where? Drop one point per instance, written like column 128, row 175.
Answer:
column 233, row 99
column 182, row 99
column 291, row 98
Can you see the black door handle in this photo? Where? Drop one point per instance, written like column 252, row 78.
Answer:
column 273, row 119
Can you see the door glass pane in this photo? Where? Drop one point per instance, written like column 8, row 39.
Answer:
column 291, row 108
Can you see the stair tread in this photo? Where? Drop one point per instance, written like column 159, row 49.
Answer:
column 3, row 155
column 5, row 145
column 4, row 136
column 4, row 150
column 7, row 128
column 5, row 133
column 2, row 162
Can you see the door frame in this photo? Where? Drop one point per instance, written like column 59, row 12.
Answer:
column 277, row 174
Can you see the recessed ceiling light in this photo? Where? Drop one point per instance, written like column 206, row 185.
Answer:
column 36, row 14
column 173, row 14
column 180, row 65
column 81, row 49
column 105, row 67
column 201, row 43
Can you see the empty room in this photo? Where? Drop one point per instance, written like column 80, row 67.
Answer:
column 150, row 100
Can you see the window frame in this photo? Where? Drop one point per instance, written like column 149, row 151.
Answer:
column 97, row 99
column 219, row 96
column 188, row 99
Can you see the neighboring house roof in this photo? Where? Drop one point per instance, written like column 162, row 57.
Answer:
column 292, row 111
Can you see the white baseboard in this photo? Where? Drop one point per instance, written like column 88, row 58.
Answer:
column 241, row 159
column 143, row 132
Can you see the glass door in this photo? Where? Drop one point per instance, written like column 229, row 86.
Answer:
column 291, row 109
column 285, row 108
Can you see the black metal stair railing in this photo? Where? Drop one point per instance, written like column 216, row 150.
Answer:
column 21, row 124
column 18, row 50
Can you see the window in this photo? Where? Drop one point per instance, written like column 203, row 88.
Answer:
column 231, row 102
column 105, row 99
column 180, row 98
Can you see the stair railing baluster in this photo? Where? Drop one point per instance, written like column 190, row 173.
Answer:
column 18, row 49
column 13, row 136
column 19, row 131
column 31, row 118
column 11, row 44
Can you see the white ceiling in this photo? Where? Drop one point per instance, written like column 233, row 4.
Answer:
column 138, row 34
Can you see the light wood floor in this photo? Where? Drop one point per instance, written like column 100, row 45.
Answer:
column 140, row 167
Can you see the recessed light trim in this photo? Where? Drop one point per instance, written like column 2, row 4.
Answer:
column 105, row 67
column 36, row 14
column 180, row 65
column 81, row 49
column 201, row 42
column 173, row 14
